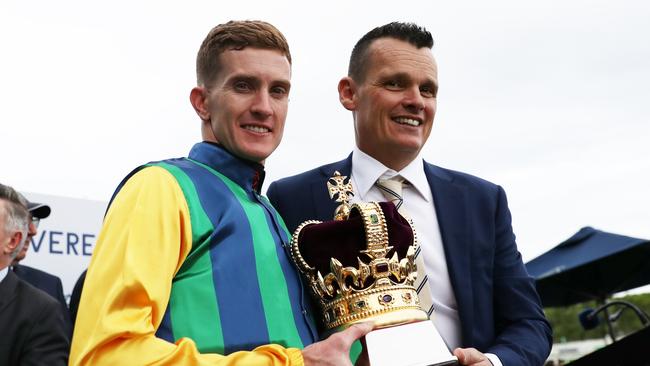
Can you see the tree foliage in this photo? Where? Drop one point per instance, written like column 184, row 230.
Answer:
column 566, row 326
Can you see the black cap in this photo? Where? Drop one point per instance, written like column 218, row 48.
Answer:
column 39, row 210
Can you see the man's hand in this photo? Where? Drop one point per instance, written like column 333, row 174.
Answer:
column 335, row 350
column 471, row 357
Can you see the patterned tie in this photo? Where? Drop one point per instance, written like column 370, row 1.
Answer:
column 392, row 191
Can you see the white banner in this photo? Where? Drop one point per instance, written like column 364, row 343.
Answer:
column 66, row 239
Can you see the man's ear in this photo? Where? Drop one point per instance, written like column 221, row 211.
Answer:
column 348, row 93
column 14, row 241
column 198, row 97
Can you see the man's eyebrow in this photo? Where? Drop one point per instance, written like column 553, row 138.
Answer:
column 405, row 76
column 244, row 77
column 394, row 75
column 254, row 80
column 285, row 83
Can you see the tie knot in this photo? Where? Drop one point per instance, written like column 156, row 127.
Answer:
column 391, row 186
column 392, row 189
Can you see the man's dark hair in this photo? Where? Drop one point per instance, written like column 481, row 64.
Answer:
column 408, row 32
column 236, row 35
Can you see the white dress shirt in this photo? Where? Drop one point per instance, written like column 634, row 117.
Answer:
column 3, row 273
column 418, row 202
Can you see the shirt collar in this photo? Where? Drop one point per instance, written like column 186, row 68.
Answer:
column 3, row 273
column 366, row 170
column 247, row 174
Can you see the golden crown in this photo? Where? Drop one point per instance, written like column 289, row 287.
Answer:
column 379, row 286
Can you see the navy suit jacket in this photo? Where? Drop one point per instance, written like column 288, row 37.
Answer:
column 499, row 309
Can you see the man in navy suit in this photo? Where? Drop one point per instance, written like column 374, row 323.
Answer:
column 486, row 305
column 42, row 280
column 31, row 321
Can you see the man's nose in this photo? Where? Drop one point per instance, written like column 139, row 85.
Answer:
column 413, row 99
column 262, row 104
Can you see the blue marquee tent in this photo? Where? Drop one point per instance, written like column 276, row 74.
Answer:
column 590, row 265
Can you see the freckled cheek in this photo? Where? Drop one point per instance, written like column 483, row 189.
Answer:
column 281, row 110
column 279, row 121
column 279, row 104
column 431, row 110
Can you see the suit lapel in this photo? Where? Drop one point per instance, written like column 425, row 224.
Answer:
column 325, row 206
column 451, row 209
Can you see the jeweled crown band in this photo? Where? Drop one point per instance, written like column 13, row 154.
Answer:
column 374, row 224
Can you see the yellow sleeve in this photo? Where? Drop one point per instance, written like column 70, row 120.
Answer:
column 145, row 238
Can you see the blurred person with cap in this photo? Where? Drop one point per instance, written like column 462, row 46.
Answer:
column 42, row 280
column 32, row 322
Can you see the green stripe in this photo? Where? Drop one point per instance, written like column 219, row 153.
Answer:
column 193, row 286
column 273, row 287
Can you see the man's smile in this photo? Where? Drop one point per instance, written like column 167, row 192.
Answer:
column 257, row 128
column 407, row 121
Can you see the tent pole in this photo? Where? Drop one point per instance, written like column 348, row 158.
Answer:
column 610, row 329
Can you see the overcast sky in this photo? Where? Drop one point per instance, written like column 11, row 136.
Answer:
column 548, row 99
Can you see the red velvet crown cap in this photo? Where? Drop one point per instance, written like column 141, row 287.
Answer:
column 344, row 240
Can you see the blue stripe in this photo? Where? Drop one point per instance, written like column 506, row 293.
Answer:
column 307, row 332
column 234, row 271
column 165, row 329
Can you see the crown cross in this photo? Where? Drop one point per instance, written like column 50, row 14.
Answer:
column 336, row 186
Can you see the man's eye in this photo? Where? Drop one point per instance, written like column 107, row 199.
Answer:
column 242, row 86
column 279, row 91
column 427, row 92
column 393, row 84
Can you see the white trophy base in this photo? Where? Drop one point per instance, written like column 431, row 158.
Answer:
column 414, row 344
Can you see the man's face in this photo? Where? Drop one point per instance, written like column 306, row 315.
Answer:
column 9, row 239
column 245, row 108
column 395, row 104
column 32, row 230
